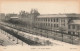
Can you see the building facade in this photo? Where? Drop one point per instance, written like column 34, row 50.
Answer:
column 55, row 21
column 52, row 21
column 74, row 27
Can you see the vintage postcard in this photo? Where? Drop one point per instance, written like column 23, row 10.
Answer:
column 39, row 25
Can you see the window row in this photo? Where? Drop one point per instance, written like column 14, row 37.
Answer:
column 74, row 27
column 48, row 19
column 74, row 33
column 47, row 24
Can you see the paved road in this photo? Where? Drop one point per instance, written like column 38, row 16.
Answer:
column 7, row 41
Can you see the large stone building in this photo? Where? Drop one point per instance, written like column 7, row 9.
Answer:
column 2, row 16
column 65, row 26
column 52, row 21
column 56, row 21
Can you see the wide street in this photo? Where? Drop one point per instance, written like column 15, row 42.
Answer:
column 6, row 40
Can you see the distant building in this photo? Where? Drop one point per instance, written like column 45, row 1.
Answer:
column 8, row 16
column 2, row 16
column 74, row 27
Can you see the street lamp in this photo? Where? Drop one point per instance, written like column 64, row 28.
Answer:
column 17, row 37
column 17, row 41
column 41, row 29
column 57, row 31
column 13, row 38
column 22, row 41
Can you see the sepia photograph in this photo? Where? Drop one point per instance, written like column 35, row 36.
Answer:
column 40, row 25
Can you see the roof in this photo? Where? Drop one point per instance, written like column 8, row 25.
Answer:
column 14, row 17
column 73, row 15
column 75, row 22
column 51, row 15
column 58, row 15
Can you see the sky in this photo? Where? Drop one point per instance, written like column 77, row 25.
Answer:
column 42, row 7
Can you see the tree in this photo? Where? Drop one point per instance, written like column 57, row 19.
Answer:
column 23, row 14
column 35, row 12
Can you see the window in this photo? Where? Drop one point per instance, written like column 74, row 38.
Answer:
column 78, row 27
column 51, row 25
column 76, row 33
column 62, row 20
column 46, row 19
column 69, row 27
column 73, row 33
column 73, row 26
column 48, row 24
column 69, row 32
column 57, row 25
column 56, row 19
column 63, row 24
column 54, row 25
column 51, row 19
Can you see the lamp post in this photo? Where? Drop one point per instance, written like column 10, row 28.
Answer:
column 17, row 41
column 17, row 38
column 56, row 32
column 61, row 29
column 47, row 33
column 13, row 38
column 41, row 29
column 22, row 41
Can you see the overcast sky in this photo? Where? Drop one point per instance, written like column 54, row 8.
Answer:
column 42, row 7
